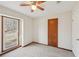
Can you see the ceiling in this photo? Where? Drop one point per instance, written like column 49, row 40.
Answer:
column 49, row 6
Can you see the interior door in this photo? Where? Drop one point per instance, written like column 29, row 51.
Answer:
column 10, row 33
column 53, row 32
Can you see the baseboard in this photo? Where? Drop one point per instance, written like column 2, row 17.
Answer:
column 51, row 46
column 27, row 44
column 64, row 49
column 40, row 43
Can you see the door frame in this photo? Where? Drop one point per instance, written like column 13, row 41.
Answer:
column 57, row 30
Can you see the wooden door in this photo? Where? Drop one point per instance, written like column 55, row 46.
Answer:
column 53, row 32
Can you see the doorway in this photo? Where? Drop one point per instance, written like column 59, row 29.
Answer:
column 53, row 32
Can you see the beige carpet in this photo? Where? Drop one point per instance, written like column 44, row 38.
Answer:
column 38, row 50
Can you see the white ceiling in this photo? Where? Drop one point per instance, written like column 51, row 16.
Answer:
column 49, row 6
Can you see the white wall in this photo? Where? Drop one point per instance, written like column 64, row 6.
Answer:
column 64, row 30
column 40, row 31
column 27, row 31
column 27, row 23
column 75, row 29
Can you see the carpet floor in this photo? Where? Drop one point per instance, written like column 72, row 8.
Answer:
column 38, row 50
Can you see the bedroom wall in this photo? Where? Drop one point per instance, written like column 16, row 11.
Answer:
column 27, row 24
column 75, row 29
column 40, row 33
